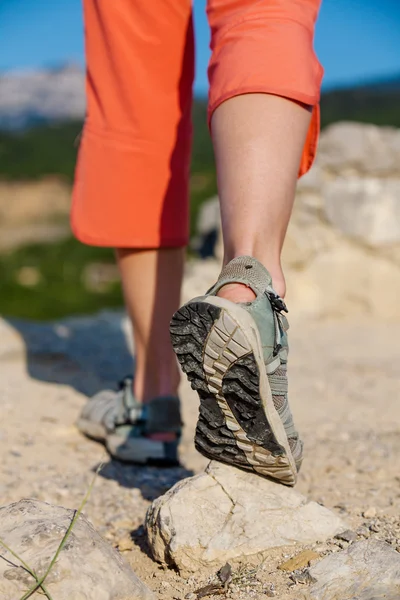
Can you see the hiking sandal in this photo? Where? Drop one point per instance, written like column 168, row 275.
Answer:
column 235, row 357
column 123, row 424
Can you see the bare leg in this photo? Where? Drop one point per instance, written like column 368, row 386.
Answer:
column 258, row 141
column 151, row 282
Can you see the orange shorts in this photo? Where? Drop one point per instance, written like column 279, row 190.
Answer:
column 131, row 184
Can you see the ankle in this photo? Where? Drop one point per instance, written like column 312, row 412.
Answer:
column 278, row 282
column 154, row 383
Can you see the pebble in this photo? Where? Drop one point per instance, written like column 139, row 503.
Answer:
column 347, row 536
column 341, row 507
column 323, row 548
column 304, row 577
column 299, row 561
column 363, row 531
column 370, row 513
column 125, row 544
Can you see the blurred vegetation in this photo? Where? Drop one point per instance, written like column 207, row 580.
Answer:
column 47, row 282
column 378, row 104
column 43, row 282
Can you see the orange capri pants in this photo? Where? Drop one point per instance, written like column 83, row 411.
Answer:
column 132, row 176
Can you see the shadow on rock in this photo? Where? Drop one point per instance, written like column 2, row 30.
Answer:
column 139, row 538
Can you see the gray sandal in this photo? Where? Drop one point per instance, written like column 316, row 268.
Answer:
column 123, row 424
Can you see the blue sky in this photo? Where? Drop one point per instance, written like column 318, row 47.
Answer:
column 355, row 39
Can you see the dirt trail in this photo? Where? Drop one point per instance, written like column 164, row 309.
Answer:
column 344, row 390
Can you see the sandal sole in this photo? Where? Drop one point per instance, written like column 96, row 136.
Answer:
column 141, row 451
column 218, row 346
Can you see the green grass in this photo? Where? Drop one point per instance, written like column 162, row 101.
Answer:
column 40, row 151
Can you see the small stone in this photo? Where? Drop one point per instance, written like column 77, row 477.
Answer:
column 15, row 453
column 190, row 596
column 370, row 513
column 347, row 536
column 323, row 548
column 225, row 574
column 341, row 507
column 299, row 561
column 125, row 544
column 363, row 531
column 304, row 578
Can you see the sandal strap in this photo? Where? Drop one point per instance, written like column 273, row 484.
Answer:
column 163, row 415
column 246, row 270
column 160, row 415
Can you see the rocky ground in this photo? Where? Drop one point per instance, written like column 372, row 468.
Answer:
column 344, row 390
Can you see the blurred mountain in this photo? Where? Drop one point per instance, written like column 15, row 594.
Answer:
column 32, row 97
column 48, row 95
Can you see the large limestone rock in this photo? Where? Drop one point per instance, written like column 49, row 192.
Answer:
column 87, row 568
column 349, row 147
column 366, row 209
column 368, row 570
column 225, row 513
column 309, row 233
column 345, row 281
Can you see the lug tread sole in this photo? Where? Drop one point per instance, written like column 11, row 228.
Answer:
column 217, row 357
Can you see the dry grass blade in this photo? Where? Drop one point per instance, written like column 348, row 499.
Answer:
column 27, row 568
column 39, row 583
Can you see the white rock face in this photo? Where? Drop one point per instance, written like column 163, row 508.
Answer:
column 346, row 281
column 368, row 570
column 87, row 568
column 367, row 209
column 366, row 149
column 225, row 513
